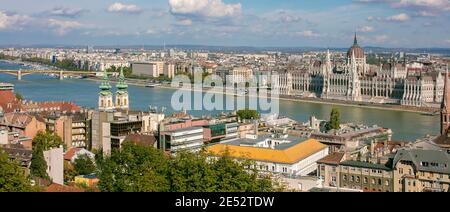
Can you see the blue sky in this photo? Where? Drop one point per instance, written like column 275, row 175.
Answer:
column 290, row 23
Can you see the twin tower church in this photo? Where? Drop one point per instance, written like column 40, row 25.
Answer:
column 105, row 97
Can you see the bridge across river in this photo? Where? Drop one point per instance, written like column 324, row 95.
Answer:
column 60, row 73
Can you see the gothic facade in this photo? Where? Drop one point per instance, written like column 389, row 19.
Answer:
column 355, row 80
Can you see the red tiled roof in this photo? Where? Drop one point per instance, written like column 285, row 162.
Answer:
column 70, row 153
column 60, row 188
column 8, row 101
column 52, row 106
column 17, row 119
column 334, row 158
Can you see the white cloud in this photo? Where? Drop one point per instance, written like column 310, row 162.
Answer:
column 124, row 8
column 447, row 41
column 431, row 4
column 62, row 27
column 380, row 38
column 402, row 17
column 365, row 29
column 284, row 16
column 425, row 14
column 66, row 12
column 204, row 8
column 13, row 21
column 308, row 34
column 184, row 22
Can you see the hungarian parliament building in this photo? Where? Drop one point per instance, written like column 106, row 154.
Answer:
column 355, row 80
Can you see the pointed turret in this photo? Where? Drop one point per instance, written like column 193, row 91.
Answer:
column 353, row 64
column 121, row 85
column 445, row 106
column 105, row 96
column 122, row 93
column 355, row 40
column 105, row 87
column 328, row 62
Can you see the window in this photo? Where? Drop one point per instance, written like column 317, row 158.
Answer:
column 357, row 179
column 344, row 177
column 387, row 183
column 410, row 171
column 373, row 181
column 414, row 183
column 400, row 170
column 353, row 178
column 333, row 178
column 379, row 182
column 365, row 180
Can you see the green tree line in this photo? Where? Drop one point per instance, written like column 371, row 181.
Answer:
column 138, row 168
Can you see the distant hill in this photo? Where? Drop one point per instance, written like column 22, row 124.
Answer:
column 248, row 49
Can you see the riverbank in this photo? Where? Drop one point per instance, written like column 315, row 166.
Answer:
column 143, row 83
column 425, row 111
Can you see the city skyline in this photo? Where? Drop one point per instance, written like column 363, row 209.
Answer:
column 381, row 23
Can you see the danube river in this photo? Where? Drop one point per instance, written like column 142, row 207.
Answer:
column 405, row 125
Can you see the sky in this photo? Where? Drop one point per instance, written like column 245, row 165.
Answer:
column 260, row 23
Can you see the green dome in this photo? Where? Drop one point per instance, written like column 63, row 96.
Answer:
column 122, row 85
column 105, row 87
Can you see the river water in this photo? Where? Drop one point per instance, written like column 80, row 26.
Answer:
column 405, row 125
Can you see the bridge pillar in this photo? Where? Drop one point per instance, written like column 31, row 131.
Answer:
column 61, row 75
column 19, row 75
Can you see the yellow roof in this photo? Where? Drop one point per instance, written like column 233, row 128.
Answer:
column 291, row 155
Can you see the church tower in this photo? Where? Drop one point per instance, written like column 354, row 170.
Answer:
column 354, row 90
column 445, row 107
column 122, row 93
column 105, row 97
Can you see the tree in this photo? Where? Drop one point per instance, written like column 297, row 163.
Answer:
column 47, row 140
column 334, row 123
column 84, row 165
column 190, row 173
column 38, row 164
column 137, row 168
column 19, row 96
column 232, row 176
column 69, row 172
column 12, row 178
column 247, row 114
column 134, row 168
column 43, row 141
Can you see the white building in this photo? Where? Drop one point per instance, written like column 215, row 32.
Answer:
column 150, row 69
column 286, row 156
column 55, row 164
